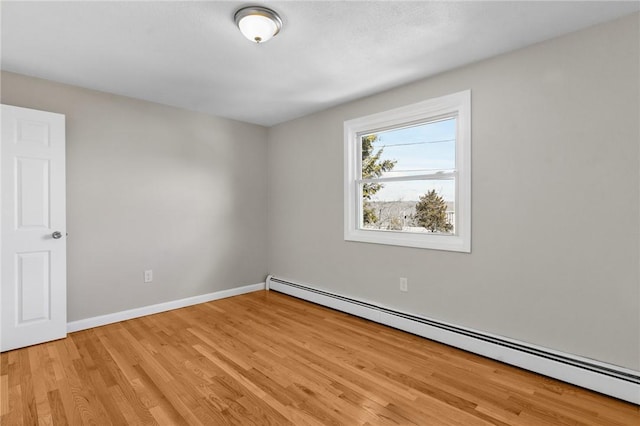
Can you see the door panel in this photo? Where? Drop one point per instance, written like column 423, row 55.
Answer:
column 33, row 286
column 32, row 261
column 32, row 196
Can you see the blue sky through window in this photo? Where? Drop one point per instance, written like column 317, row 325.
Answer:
column 417, row 150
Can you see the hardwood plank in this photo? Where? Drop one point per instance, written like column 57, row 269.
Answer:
column 86, row 395
column 71, row 409
column 126, row 379
column 14, row 415
column 57, row 407
column 42, row 381
column 4, row 386
column 29, row 403
column 266, row 358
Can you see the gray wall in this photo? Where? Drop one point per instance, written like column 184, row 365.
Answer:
column 555, row 189
column 153, row 187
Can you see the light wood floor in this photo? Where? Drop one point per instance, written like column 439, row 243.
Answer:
column 266, row 358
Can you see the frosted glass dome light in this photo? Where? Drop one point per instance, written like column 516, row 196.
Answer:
column 258, row 24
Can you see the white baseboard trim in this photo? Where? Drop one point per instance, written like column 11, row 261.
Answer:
column 86, row 323
column 601, row 377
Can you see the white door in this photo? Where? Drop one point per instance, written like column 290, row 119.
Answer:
column 33, row 277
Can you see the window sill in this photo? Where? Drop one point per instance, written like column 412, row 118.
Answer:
column 425, row 241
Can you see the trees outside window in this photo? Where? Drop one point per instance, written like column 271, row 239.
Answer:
column 372, row 167
column 431, row 213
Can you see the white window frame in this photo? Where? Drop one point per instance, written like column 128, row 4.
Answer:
column 456, row 104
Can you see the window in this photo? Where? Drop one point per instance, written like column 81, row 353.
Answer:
column 408, row 175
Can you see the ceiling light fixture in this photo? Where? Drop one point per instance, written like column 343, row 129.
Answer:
column 258, row 24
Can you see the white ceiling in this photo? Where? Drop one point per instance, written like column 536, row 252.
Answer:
column 189, row 54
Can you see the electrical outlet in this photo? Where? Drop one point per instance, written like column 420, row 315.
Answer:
column 404, row 285
column 148, row 276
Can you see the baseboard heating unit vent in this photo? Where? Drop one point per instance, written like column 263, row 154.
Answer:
column 598, row 376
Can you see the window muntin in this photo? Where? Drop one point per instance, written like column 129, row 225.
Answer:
column 421, row 195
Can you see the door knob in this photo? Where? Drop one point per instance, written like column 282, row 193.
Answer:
column 56, row 235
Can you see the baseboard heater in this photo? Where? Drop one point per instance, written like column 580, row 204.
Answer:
column 601, row 377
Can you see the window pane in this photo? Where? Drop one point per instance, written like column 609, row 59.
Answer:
column 423, row 206
column 409, row 151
